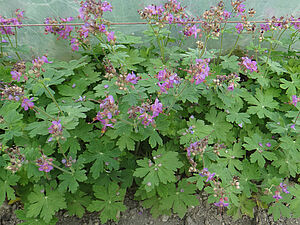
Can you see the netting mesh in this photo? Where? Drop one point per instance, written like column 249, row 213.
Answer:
column 123, row 11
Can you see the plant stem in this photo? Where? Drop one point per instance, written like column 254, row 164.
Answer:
column 204, row 47
column 13, row 46
column 52, row 97
column 235, row 44
column 61, row 169
column 221, row 47
column 158, row 42
column 43, row 111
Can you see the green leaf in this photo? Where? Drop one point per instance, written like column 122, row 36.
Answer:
column 220, row 127
column 262, row 102
column 278, row 209
column 21, row 214
column 103, row 155
column 109, row 201
column 77, row 202
column 291, row 86
column 161, row 169
column 45, row 203
column 295, row 203
column 230, row 63
column 7, row 180
column 182, row 198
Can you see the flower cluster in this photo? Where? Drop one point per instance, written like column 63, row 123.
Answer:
column 213, row 18
column 11, row 21
column 62, row 31
column 197, row 147
column 45, row 164
column 37, row 65
column 90, row 10
column 191, row 30
column 16, row 159
column 132, row 78
column 108, row 109
column 13, row 92
column 206, row 173
column 123, row 80
column 231, row 80
column 281, row 188
column 55, row 129
column 199, row 71
column 27, row 103
column 167, row 79
column 295, row 100
column 18, row 70
column 68, row 162
column 170, row 12
column 144, row 111
column 249, row 64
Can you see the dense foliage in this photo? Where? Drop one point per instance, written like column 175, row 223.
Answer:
column 144, row 113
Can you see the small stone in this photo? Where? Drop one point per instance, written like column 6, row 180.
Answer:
column 165, row 218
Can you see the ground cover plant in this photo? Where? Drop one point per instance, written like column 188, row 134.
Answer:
column 146, row 114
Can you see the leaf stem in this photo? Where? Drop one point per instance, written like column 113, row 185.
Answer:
column 52, row 97
column 234, row 46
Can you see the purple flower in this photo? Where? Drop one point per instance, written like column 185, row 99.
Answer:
column 105, row 86
column 111, row 36
column 191, row 30
column 240, row 125
column 55, row 129
column 27, row 103
column 277, row 195
column 74, row 44
column 239, row 27
column 221, row 203
column 295, row 100
column 74, row 85
column 293, row 126
column 268, row 144
column 106, row 6
column 45, row 164
column 156, row 108
column 249, row 64
column 284, row 188
column 265, row 27
column 260, row 144
column 102, row 28
column 226, row 15
column 201, row 70
column 132, row 78
column 170, row 18
column 240, row 9
column 15, row 75
column 230, row 87
column 210, row 176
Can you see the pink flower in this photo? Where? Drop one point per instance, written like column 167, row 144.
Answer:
column 221, row 203
column 249, row 64
column 15, row 75
column 156, row 108
column 239, row 27
column 111, row 36
column 132, row 78
column 27, row 103
column 226, row 15
column 295, row 100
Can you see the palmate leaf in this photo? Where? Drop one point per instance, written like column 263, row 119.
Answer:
column 161, row 171
column 69, row 181
column 220, row 126
column 291, row 86
column 109, row 201
column 249, row 172
column 263, row 102
column 230, row 63
column 200, row 131
column 180, row 198
column 77, row 202
column 103, row 155
column 278, row 209
column 45, row 202
column 7, row 179
column 295, row 203
column 32, row 221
